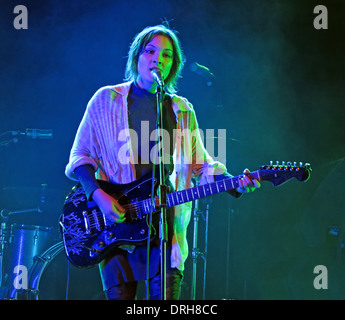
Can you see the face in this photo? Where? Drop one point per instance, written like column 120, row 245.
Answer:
column 158, row 54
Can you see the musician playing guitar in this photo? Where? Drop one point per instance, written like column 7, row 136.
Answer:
column 109, row 147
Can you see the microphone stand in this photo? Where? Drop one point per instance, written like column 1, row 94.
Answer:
column 162, row 195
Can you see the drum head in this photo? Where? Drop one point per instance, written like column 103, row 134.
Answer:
column 24, row 245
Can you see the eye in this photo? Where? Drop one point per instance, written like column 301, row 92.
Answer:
column 149, row 51
column 167, row 55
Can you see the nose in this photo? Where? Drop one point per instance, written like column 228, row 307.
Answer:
column 158, row 58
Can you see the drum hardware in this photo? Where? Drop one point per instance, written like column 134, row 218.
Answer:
column 21, row 245
column 40, row 264
column 4, row 213
column 195, row 252
column 24, row 245
column 13, row 136
column 3, row 243
column 26, row 294
column 6, row 239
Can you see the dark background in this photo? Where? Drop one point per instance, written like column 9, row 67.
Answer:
column 278, row 91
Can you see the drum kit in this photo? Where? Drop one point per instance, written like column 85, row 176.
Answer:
column 24, row 255
column 25, row 249
column 25, row 252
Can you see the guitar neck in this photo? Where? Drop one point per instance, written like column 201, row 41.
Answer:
column 201, row 191
column 205, row 190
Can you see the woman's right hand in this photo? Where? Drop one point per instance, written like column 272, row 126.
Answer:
column 109, row 206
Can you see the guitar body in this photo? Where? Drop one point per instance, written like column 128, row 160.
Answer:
column 88, row 235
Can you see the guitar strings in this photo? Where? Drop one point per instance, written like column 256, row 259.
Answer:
column 140, row 207
column 131, row 208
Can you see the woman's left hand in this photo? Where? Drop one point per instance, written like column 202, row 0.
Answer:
column 247, row 183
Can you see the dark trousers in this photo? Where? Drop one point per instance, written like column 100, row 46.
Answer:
column 128, row 290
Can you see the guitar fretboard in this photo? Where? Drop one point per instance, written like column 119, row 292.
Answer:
column 198, row 192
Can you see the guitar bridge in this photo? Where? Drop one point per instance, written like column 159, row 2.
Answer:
column 93, row 221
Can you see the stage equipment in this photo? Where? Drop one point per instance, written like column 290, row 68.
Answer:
column 195, row 252
column 203, row 72
column 162, row 189
column 8, row 137
column 24, row 255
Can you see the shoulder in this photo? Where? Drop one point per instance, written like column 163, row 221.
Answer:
column 101, row 95
column 105, row 95
column 181, row 104
column 113, row 90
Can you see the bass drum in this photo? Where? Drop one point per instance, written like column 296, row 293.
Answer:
column 26, row 255
column 38, row 268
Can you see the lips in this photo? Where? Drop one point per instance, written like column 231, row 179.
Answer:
column 156, row 69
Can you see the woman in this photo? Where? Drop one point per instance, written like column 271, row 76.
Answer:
column 101, row 150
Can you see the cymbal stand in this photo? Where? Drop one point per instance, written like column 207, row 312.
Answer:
column 195, row 250
column 3, row 241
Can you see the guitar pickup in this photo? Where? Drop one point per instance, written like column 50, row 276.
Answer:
column 134, row 213
column 93, row 220
column 87, row 222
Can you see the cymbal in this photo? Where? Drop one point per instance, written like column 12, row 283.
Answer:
column 15, row 198
column 43, row 188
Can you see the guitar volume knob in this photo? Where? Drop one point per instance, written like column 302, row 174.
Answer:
column 101, row 244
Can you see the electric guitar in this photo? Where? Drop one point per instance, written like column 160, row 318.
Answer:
column 88, row 235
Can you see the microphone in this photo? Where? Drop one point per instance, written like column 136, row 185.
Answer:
column 39, row 134
column 202, row 71
column 157, row 76
column 35, row 133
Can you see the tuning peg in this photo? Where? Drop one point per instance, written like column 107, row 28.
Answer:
column 301, row 164
column 295, row 164
column 271, row 163
column 289, row 164
column 277, row 163
column 283, row 163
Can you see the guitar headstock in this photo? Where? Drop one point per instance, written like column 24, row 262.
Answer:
column 280, row 173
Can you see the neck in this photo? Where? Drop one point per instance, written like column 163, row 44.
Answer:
column 148, row 86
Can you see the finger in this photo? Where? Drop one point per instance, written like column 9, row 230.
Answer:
column 242, row 185
column 118, row 218
column 247, row 177
column 246, row 171
column 250, row 179
column 120, row 215
column 240, row 182
column 121, row 220
column 247, row 180
column 256, row 183
column 119, row 208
